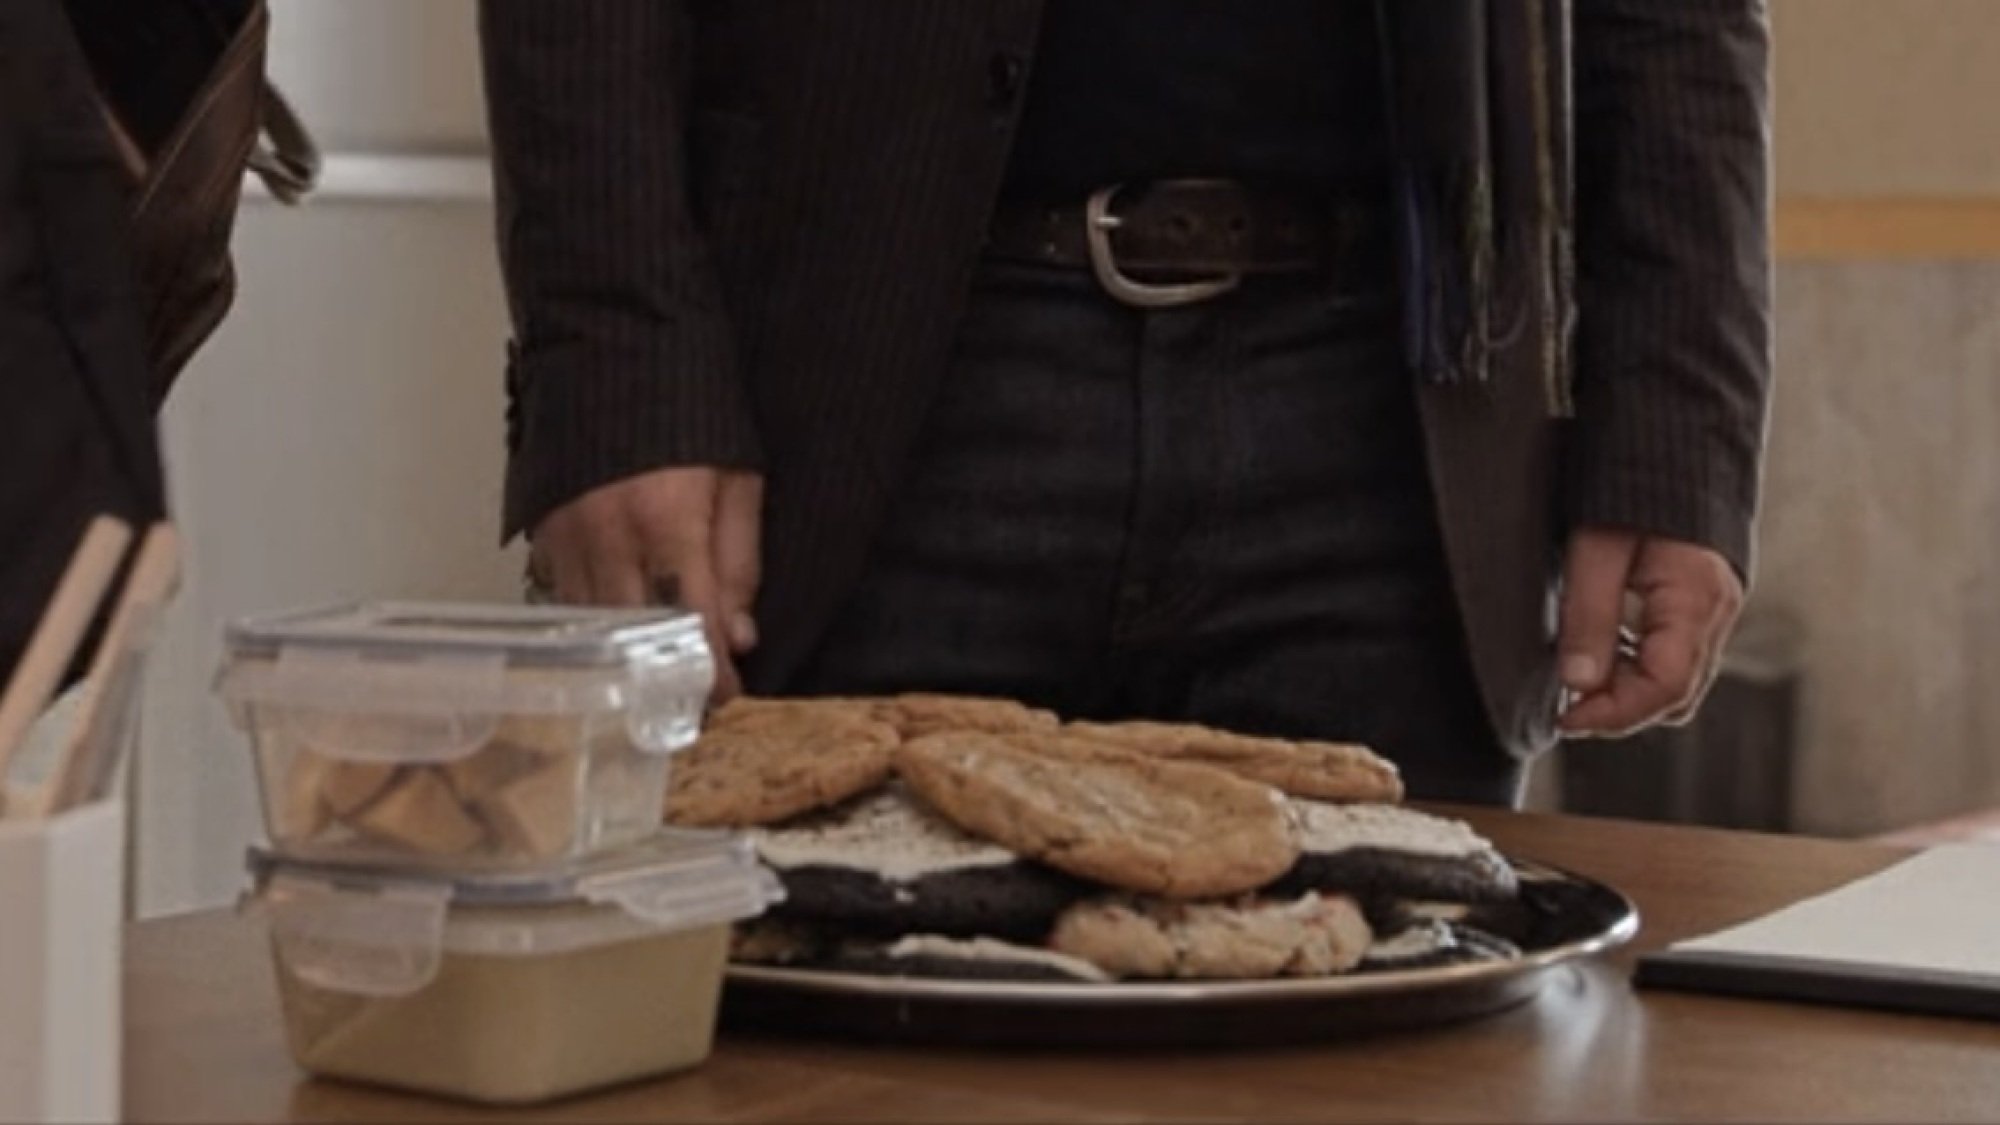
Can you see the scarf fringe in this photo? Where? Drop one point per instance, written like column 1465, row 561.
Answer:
column 1449, row 224
column 1474, row 281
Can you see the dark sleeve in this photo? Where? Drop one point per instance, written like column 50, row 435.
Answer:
column 622, row 359
column 76, row 426
column 1674, row 265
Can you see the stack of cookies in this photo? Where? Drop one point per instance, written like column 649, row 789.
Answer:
column 946, row 836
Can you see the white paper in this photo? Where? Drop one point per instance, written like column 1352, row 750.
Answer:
column 1938, row 911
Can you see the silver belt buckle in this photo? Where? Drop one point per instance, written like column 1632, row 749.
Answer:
column 1098, row 223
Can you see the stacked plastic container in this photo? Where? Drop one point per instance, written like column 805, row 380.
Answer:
column 468, row 887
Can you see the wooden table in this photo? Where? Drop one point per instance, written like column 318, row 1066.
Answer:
column 202, row 1036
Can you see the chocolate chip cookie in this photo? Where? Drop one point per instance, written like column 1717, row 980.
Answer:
column 1328, row 771
column 763, row 767
column 1248, row 939
column 918, row 714
column 1125, row 819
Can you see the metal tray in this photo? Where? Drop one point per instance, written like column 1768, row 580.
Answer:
column 1559, row 918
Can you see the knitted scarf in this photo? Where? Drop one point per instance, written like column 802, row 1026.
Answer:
column 1479, row 98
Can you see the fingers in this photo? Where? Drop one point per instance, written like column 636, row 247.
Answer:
column 1664, row 677
column 1713, row 596
column 652, row 538
column 560, row 562
column 1596, row 574
column 693, row 573
column 739, row 514
column 590, row 554
column 617, row 566
column 676, row 525
column 1689, row 598
column 1707, row 656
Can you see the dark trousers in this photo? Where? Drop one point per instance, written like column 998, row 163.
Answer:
column 1216, row 513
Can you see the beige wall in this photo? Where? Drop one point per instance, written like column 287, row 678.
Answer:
column 1888, row 98
column 1881, row 532
column 382, row 75
column 1882, row 520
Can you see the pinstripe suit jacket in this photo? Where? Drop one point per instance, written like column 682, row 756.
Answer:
column 740, row 232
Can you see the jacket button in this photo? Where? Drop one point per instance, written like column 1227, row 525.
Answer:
column 1004, row 72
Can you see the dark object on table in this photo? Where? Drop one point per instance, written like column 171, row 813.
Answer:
column 1821, row 982
column 1019, row 900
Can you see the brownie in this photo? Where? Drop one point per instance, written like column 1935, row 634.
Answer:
column 886, row 865
column 1018, row 900
column 1387, row 851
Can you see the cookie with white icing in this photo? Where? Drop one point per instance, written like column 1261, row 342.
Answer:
column 1429, row 943
column 1326, row 771
column 1390, row 851
column 886, row 865
column 951, row 958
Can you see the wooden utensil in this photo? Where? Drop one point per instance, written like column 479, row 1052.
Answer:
column 110, row 702
column 77, row 597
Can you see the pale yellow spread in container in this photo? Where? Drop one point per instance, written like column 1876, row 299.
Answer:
column 513, row 1029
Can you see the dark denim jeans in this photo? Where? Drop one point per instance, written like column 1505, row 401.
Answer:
column 1217, row 513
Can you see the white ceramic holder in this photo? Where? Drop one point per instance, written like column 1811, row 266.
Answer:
column 61, row 913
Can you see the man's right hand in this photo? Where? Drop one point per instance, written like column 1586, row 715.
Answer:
column 688, row 536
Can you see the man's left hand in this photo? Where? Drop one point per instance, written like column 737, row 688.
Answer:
column 1686, row 598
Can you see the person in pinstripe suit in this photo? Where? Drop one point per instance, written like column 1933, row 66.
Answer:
column 1353, row 369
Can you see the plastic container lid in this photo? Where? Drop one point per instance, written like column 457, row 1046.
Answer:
column 383, row 932
column 540, row 635
column 414, row 681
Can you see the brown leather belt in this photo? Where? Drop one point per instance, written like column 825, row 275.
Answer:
column 1206, row 235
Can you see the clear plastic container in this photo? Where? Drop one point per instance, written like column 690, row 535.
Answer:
column 508, row 989
column 461, row 737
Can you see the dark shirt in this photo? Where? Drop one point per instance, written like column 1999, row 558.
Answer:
column 1271, row 91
